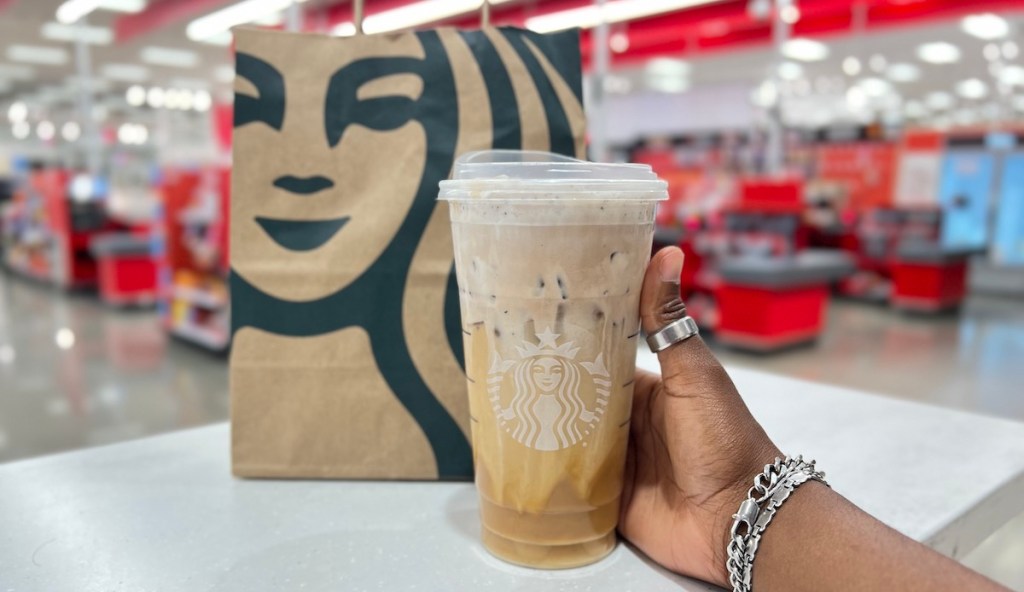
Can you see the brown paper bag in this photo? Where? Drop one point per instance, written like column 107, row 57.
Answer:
column 347, row 347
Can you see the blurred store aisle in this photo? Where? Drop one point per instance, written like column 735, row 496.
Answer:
column 75, row 373
column 969, row 361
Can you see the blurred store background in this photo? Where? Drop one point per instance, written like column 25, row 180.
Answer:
column 846, row 178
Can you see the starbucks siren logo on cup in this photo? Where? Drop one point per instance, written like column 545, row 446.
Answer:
column 556, row 401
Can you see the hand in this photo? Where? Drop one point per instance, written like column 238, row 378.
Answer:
column 694, row 447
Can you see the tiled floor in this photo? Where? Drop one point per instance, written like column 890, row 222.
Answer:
column 74, row 373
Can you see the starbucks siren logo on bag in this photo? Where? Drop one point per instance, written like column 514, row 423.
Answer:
column 556, row 401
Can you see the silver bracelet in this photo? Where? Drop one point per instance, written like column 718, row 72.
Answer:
column 771, row 488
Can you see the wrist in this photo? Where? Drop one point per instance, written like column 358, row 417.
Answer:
column 727, row 504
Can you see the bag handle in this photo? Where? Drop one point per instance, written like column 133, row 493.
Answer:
column 485, row 14
column 357, row 15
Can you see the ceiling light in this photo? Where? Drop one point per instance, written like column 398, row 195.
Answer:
column 72, row 10
column 875, row 87
column 766, row 94
column 45, row 130
column 345, row 29
column 172, row 99
column 18, row 111
column 240, row 13
column 805, row 50
column 668, row 85
column 938, row 52
column 224, row 38
column 1010, row 50
column 131, row 133
column 135, row 96
column 878, row 63
column 70, row 131
column 851, row 66
column 21, row 130
column 789, row 14
column 155, row 97
column 790, row 70
column 1012, row 75
column 619, row 42
column 667, row 67
column 856, row 99
column 168, row 56
column 122, row 5
column 201, row 101
column 125, row 72
column 185, row 99
column 77, row 32
column 270, row 20
column 939, row 100
column 902, row 72
column 985, row 26
column 38, row 54
column 991, row 52
column 615, row 11
column 972, row 88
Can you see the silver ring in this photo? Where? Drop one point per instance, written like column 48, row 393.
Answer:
column 672, row 333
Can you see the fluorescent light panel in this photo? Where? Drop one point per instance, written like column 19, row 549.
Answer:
column 86, row 33
column 73, row 10
column 412, row 15
column 122, row 5
column 805, row 50
column 903, row 72
column 938, row 52
column 972, row 88
column 37, row 54
column 985, row 26
column 168, row 56
column 616, row 11
column 222, row 20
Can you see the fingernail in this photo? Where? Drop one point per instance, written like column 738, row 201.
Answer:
column 671, row 265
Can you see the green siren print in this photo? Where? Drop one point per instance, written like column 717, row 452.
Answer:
column 377, row 105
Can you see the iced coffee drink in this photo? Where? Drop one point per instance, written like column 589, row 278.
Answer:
column 550, row 254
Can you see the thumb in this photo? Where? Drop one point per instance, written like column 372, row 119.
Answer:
column 661, row 304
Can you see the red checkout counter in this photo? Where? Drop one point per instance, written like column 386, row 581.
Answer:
column 928, row 278
column 766, row 304
column 127, row 273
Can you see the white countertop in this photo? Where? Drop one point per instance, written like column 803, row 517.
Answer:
column 164, row 514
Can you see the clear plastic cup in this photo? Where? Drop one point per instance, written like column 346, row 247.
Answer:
column 550, row 254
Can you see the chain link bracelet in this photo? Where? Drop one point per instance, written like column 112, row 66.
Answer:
column 770, row 489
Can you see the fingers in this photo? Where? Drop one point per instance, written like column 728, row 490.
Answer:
column 687, row 362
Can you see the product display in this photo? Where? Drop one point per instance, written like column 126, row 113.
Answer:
column 550, row 253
